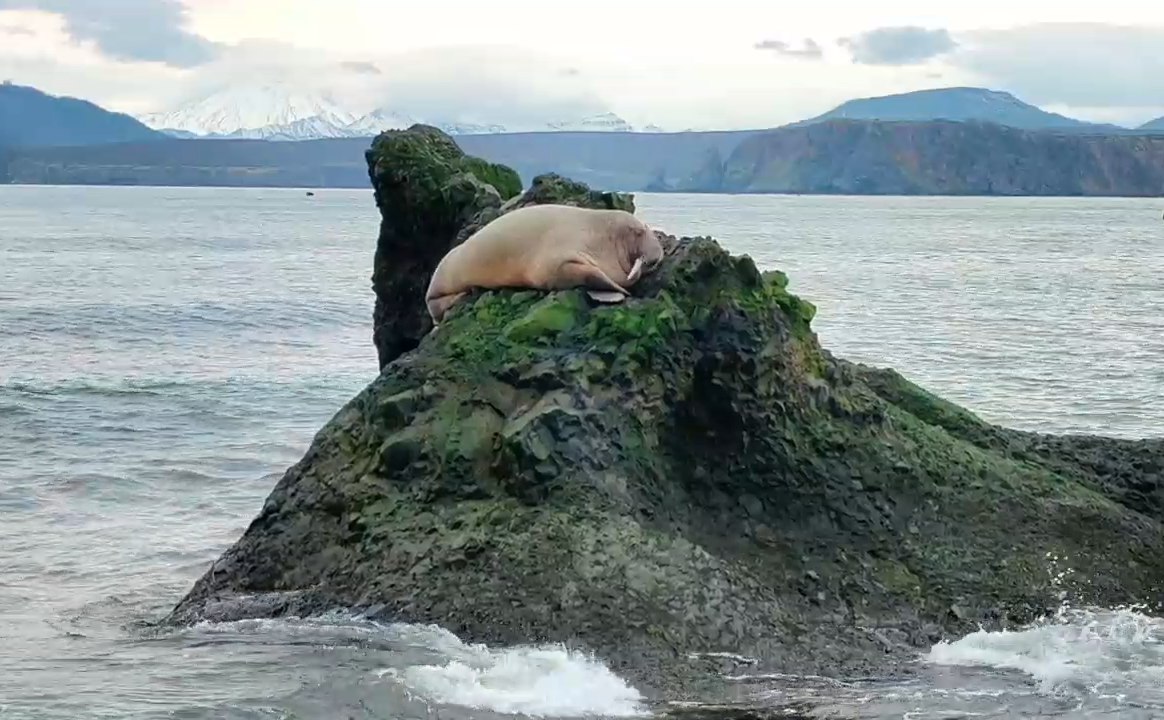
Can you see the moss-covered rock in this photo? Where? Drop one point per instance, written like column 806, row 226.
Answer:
column 432, row 197
column 688, row 471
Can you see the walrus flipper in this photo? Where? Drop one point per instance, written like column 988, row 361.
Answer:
column 576, row 273
column 438, row 306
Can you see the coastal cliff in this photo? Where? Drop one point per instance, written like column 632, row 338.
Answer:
column 687, row 472
column 936, row 158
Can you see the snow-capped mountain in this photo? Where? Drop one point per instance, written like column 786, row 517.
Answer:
column 455, row 127
column 378, row 121
column 270, row 109
column 278, row 111
column 309, row 128
column 602, row 122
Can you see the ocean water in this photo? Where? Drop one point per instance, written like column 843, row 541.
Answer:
column 166, row 353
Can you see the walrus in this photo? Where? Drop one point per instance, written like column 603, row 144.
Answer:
column 548, row 247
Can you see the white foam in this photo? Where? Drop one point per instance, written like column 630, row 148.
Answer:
column 741, row 659
column 542, row 681
column 1091, row 649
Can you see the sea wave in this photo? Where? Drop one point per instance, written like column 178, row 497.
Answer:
column 543, row 681
column 1085, row 651
column 435, row 665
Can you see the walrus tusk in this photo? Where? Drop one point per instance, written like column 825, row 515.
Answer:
column 635, row 271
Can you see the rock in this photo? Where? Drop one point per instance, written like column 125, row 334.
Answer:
column 432, row 197
column 543, row 468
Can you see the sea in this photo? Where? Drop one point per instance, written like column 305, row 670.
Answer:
column 166, row 353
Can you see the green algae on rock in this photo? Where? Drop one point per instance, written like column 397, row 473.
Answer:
column 432, row 197
column 685, row 472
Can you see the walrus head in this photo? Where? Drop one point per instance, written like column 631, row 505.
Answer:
column 641, row 250
column 646, row 245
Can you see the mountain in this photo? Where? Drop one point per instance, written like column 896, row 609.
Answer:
column 272, row 109
column 458, row 127
column 1157, row 124
column 326, row 125
column 618, row 160
column 29, row 117
column 278, row 110
column 603, row 122
column 837, row 156
column 378, row 121
column 959, row 104
column 936, row 158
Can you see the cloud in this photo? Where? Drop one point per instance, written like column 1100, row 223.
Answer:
column 106, row 83
column 503, row 85
column 810, row 49
column 17, row 30
column 903, row 45
column 488, row 84
column 135, row 30
column 361, row 67
column 1087, row 65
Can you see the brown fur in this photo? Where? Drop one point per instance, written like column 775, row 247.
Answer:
column 548, row 247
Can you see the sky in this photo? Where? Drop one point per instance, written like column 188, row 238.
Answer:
column 678, row 64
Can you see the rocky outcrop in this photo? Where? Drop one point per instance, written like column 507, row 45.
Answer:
column 938, row 158
column 686, row 472
column 432, row 197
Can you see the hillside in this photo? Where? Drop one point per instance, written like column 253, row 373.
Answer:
column 1154, row 125
column 611, row 159
column 936, row 158
column 960, row 104
column 29, row 118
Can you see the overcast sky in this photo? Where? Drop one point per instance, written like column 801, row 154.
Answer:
column 727, row 63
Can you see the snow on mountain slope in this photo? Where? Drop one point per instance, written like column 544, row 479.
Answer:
column 470, row 128
column 602, row 122
column 309, row 128
column 378, row 121
column 279, row 111
column 256, row 110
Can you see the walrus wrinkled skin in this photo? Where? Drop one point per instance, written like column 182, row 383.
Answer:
column 548, row 247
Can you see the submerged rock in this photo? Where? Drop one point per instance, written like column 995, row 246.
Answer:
column 687, row 472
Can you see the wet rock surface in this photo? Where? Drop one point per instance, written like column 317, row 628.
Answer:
column 687, row 472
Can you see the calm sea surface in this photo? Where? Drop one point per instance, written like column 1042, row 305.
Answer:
column 166, row 353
